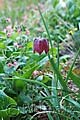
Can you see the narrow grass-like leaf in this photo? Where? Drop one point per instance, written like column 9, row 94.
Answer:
column 28, row 81
column 75, row 103
column 72, row 113
column 45, row 27
column 76, row 79
column 54, row 66
column 70, row 70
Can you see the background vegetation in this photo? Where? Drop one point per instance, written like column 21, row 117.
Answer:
column 33, row 86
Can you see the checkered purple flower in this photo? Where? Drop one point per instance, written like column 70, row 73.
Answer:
column 40, row 45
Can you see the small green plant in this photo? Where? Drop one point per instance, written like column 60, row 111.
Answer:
column 39, row 77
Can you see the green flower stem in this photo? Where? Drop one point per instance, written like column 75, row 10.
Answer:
column 54, row 66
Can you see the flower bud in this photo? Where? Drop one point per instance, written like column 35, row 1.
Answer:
column 40, row 45
column 10, row 64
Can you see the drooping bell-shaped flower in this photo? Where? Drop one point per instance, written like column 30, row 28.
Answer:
column 40, row 45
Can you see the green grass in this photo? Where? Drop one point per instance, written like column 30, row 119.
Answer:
column 33, row 85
